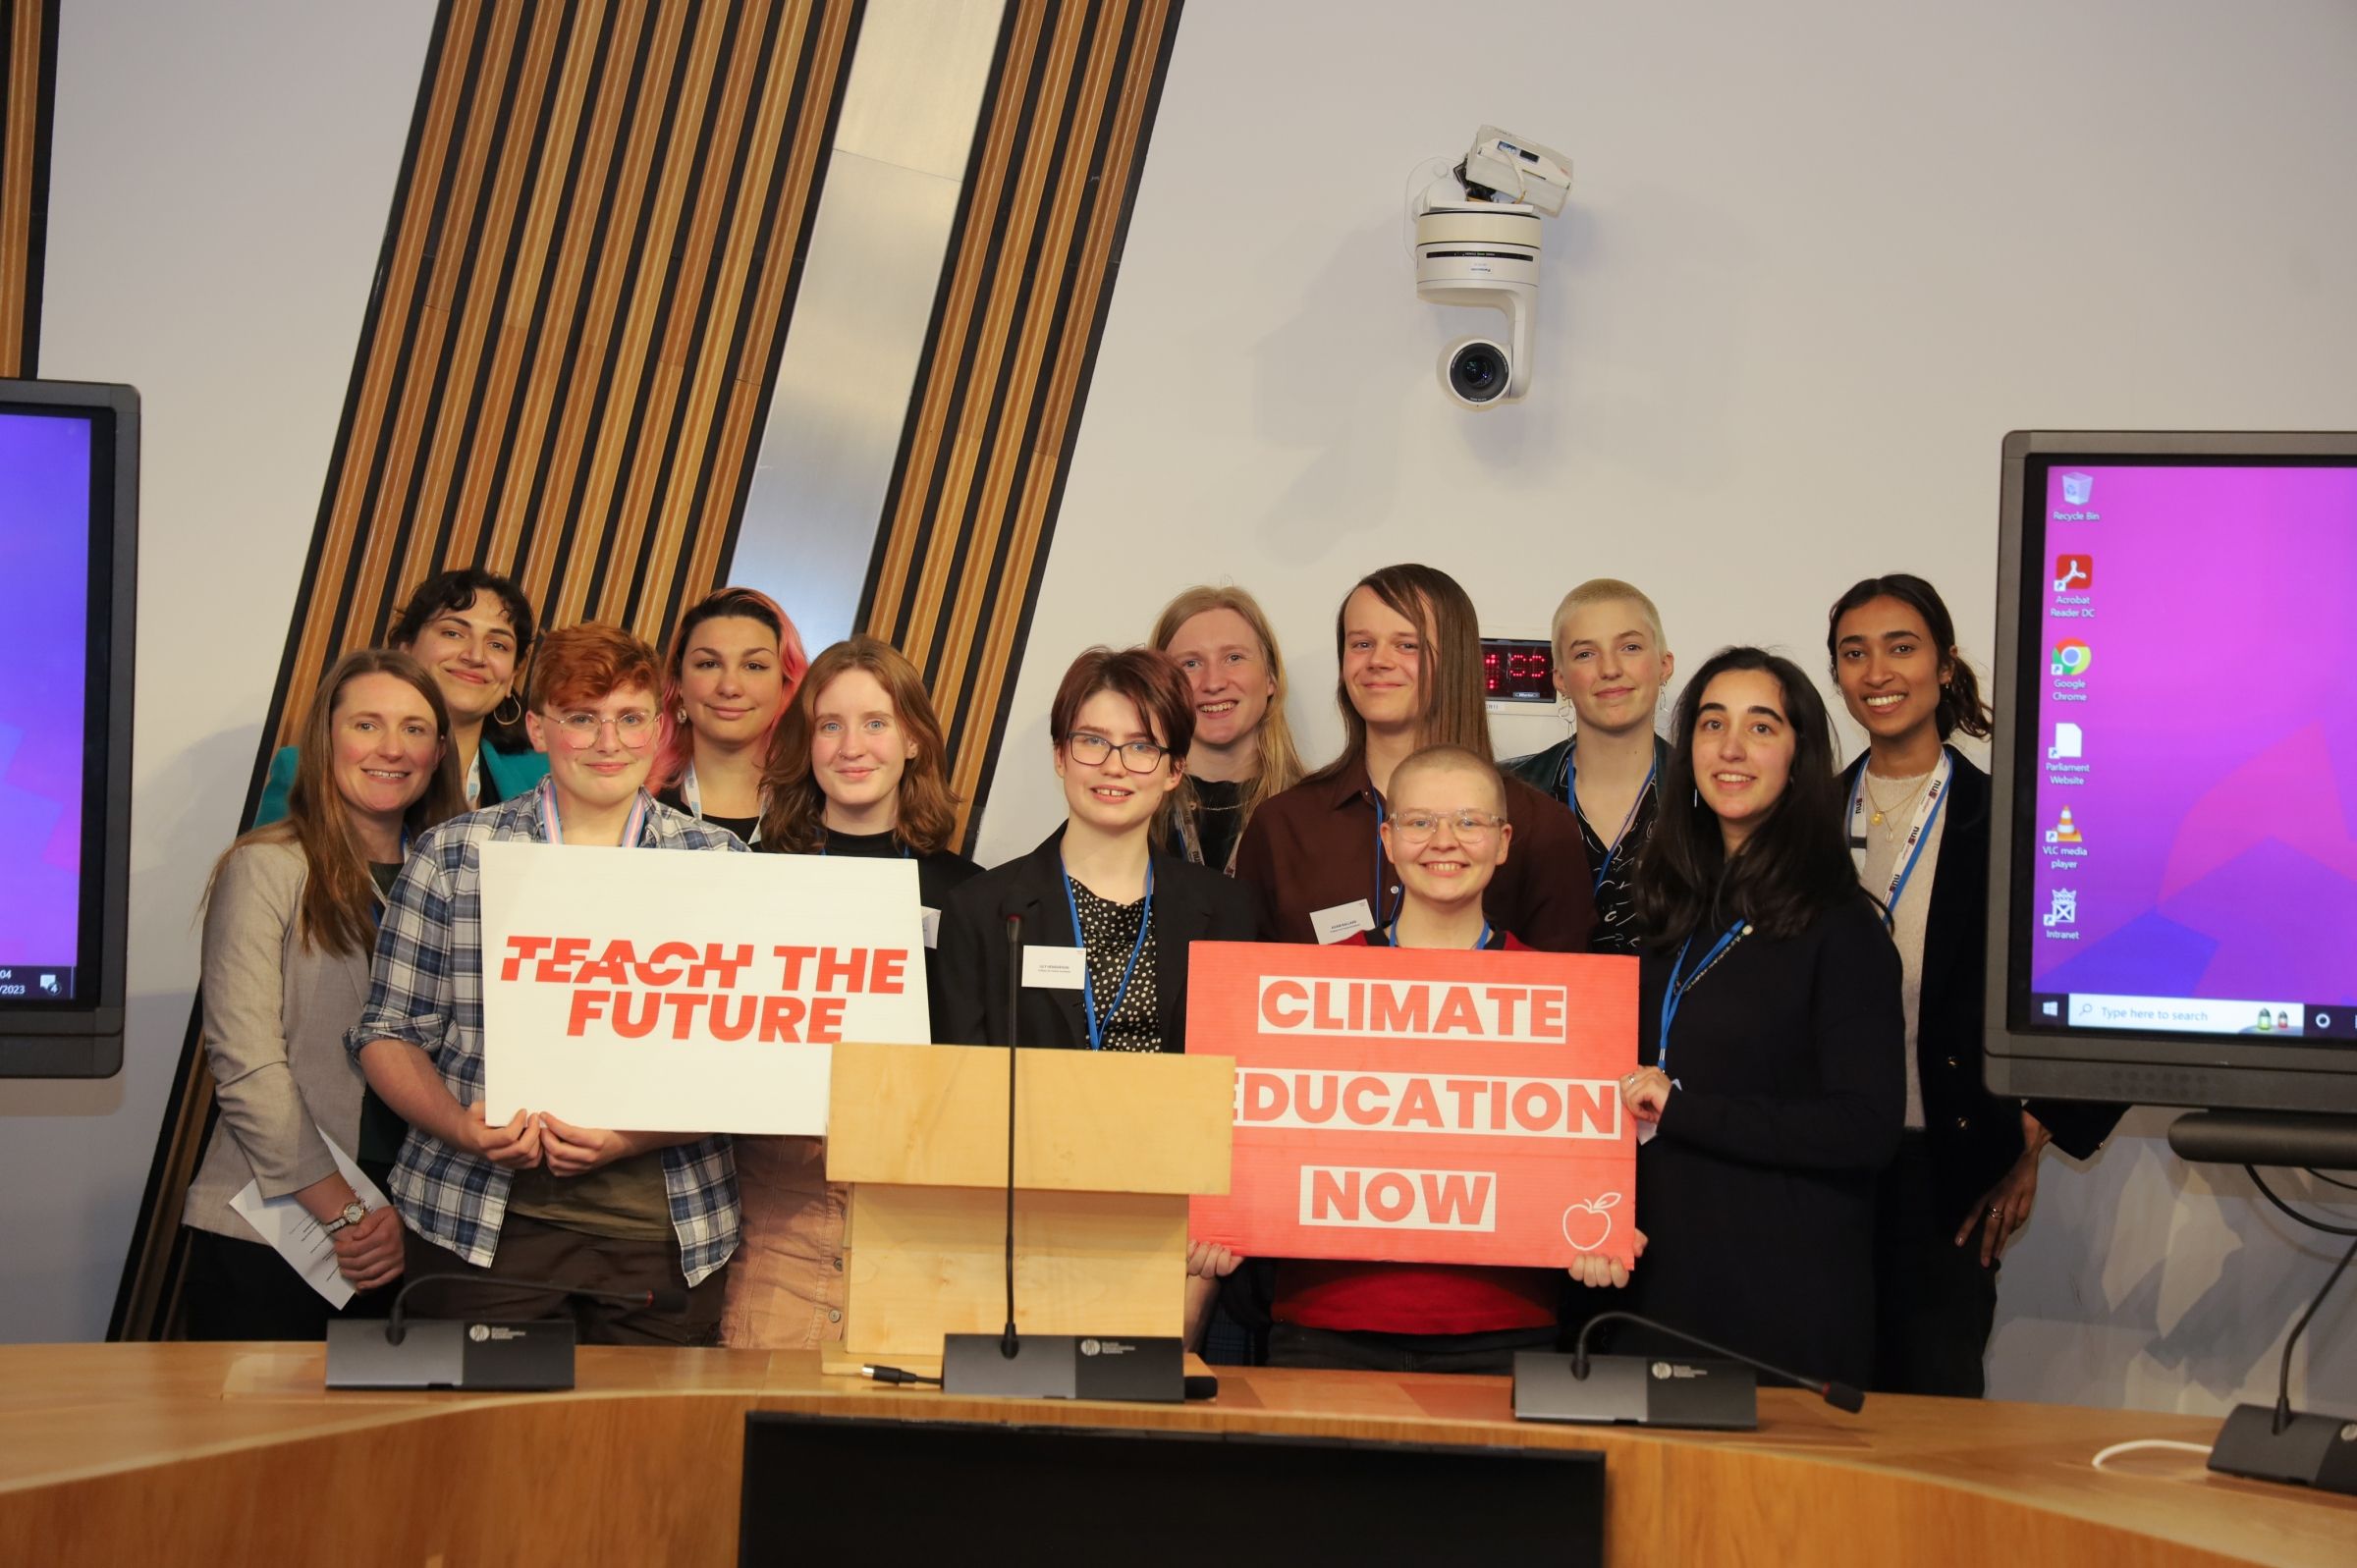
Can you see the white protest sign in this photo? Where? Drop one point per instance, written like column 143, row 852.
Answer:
column 689, row 991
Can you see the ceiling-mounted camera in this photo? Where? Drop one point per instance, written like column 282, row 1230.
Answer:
column 1477, row 243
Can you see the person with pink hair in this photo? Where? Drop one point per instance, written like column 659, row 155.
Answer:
column 731, row 668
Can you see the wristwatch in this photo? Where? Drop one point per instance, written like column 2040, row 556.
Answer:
column 353, row 1212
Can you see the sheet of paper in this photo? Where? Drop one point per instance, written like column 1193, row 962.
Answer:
column 302, row 1241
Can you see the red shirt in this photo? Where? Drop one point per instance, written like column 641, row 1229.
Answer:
column 1416, row 1298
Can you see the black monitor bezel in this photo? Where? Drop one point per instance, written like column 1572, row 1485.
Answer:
column 84, row 1038
column 2023, row 1057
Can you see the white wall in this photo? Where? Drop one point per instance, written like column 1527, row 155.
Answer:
column 1821, row 256
column 219, row 187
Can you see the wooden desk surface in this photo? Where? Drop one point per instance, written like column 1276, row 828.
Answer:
column 111, row 1453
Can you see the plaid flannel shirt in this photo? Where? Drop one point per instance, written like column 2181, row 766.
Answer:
column 427, row 988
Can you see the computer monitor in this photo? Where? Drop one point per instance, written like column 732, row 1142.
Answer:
column 2174, row 870
column 69, row 510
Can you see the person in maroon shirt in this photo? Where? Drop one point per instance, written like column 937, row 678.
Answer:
column 1449, row 836
column 1410, row 652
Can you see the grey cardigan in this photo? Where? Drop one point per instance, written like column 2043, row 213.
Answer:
column 274, row 1022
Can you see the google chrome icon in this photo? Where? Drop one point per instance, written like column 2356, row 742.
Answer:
column 2073, row 657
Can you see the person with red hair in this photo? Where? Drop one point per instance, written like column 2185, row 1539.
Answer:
column 540, row 1198
column 734, row 663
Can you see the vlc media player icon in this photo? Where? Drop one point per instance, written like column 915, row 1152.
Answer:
column 2065, row 831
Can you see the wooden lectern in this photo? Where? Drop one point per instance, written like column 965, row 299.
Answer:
column 1109, row 1147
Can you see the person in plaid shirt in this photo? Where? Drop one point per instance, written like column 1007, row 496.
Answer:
column 540, row 1198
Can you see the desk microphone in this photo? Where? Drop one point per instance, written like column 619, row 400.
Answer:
column 1009, row 1344
column 1655, row 1390
column 1840, row 1395
column 465, row 1352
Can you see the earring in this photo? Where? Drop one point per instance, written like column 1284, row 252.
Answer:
column 682, row 714
column 1698, row 795
column 517, row 718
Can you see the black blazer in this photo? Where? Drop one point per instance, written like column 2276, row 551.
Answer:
column 1191, row 904
column 1757, row 1197
column 1974, row 1136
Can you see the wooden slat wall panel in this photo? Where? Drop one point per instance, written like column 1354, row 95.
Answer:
column 1004, row 376
column 28, row 104
column 583, row 291
column 566, row 359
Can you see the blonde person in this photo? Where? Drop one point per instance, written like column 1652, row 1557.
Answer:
column 290, row 920
column 858, row 769
column 1610, row 665
column 1242, row 753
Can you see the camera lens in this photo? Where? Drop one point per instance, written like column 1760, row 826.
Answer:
column 1478, row 372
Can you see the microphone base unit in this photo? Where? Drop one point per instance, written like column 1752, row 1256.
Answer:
column 1637, row 1391
column 2311, row 1450
column 451, row 1353
column 1150, row 1369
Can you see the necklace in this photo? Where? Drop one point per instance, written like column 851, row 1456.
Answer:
column 1881, row 811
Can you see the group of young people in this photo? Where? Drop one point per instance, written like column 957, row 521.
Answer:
column 1821, row 1178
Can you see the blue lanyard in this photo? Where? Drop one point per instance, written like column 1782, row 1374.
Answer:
column 1919, row 834
column 1391, row 934
column 1675, row 992
column 1088, row 989
column 1571, row 796
column 1385, row 915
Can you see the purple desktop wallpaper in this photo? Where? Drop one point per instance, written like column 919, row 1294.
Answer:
column 44, row 598
column 2197, row 734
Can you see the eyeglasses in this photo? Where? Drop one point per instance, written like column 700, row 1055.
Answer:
column 1471, row 827
column 1090, row 751
column 579, row 730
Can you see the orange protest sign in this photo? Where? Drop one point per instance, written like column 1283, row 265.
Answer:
column 1421, row 1105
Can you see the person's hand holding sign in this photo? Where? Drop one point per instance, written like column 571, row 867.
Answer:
column 1596, row 1270
column 572, row 1150
column 515, row 1146
column 1645, row 1091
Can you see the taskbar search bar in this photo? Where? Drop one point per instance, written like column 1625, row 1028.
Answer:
column 2203, row 1015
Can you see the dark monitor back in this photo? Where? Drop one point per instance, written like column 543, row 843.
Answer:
column 828, row 1489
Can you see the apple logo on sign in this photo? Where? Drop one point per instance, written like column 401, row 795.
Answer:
column 1586, row 1224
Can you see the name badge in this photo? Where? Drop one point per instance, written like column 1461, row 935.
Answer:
column 932, row 919
column 1054, row 968
column 1340, row 922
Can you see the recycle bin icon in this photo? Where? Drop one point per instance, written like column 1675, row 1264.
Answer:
column 2077, row 489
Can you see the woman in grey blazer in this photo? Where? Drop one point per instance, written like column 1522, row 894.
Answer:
column 289, row 922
